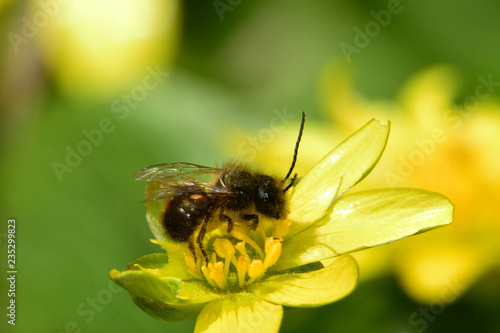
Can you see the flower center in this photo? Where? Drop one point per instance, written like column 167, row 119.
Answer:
column 241, row 258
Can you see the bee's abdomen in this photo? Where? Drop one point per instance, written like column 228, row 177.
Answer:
column 183, row 214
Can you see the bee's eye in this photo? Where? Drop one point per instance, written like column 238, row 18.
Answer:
column 265, row 189
column 268, row 199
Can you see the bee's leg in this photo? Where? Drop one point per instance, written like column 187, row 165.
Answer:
column 251, row 217
column 191, row 248
column 201, row 235
column 229, row 221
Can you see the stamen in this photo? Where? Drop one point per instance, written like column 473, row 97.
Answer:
column 206, row 274
column 242, row 269
column 191, row 266
column 273, row 251
column 238, row 234
column 250, row 264
column 217, row 274
column 262, row 232
column 281, row 228
column 240, row 246
column 190, row 262
column 225, row 249
column 255, row 270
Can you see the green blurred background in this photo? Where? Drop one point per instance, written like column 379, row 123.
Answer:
column 92, row 91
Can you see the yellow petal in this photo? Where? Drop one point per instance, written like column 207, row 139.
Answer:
column 239, row 313
column 314, row 288
column 154, row 213
column 366, row 219
column 338, row 171
column 371, row 218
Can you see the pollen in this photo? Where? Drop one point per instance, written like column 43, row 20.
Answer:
column 239, row 258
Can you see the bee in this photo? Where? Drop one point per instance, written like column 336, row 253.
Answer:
column 193, row 204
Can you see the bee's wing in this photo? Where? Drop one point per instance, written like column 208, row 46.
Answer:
column 176, row 171
column 163, row 188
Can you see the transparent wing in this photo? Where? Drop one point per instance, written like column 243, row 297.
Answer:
column 176, row 170
column 163, row 188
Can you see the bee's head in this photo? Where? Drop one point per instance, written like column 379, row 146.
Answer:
column 269, row 199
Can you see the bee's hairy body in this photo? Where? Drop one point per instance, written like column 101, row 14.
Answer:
column 194, row 207
column 252, row 195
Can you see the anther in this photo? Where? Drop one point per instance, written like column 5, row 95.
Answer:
column 191, row 266
column 242, row 269
column 225, row 249
column 273, row 251
column 255, row 270
column 240, row 246
column 206, row 273
column 217, row 275
column 281, row 228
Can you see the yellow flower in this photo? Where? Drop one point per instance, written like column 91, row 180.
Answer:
column 437, row 145
column 301, row 261
column 101, row 50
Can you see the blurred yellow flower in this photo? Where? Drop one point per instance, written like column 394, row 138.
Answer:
column 441, row 147
column 3, row 3
column 98, row 49
column 300, row 261
column 434, row 145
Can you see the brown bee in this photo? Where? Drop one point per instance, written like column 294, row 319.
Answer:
column 192, row 203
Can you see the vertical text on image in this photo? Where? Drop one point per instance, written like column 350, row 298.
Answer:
column 11, row 271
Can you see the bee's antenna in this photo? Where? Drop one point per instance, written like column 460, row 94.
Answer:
column 296, row 146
